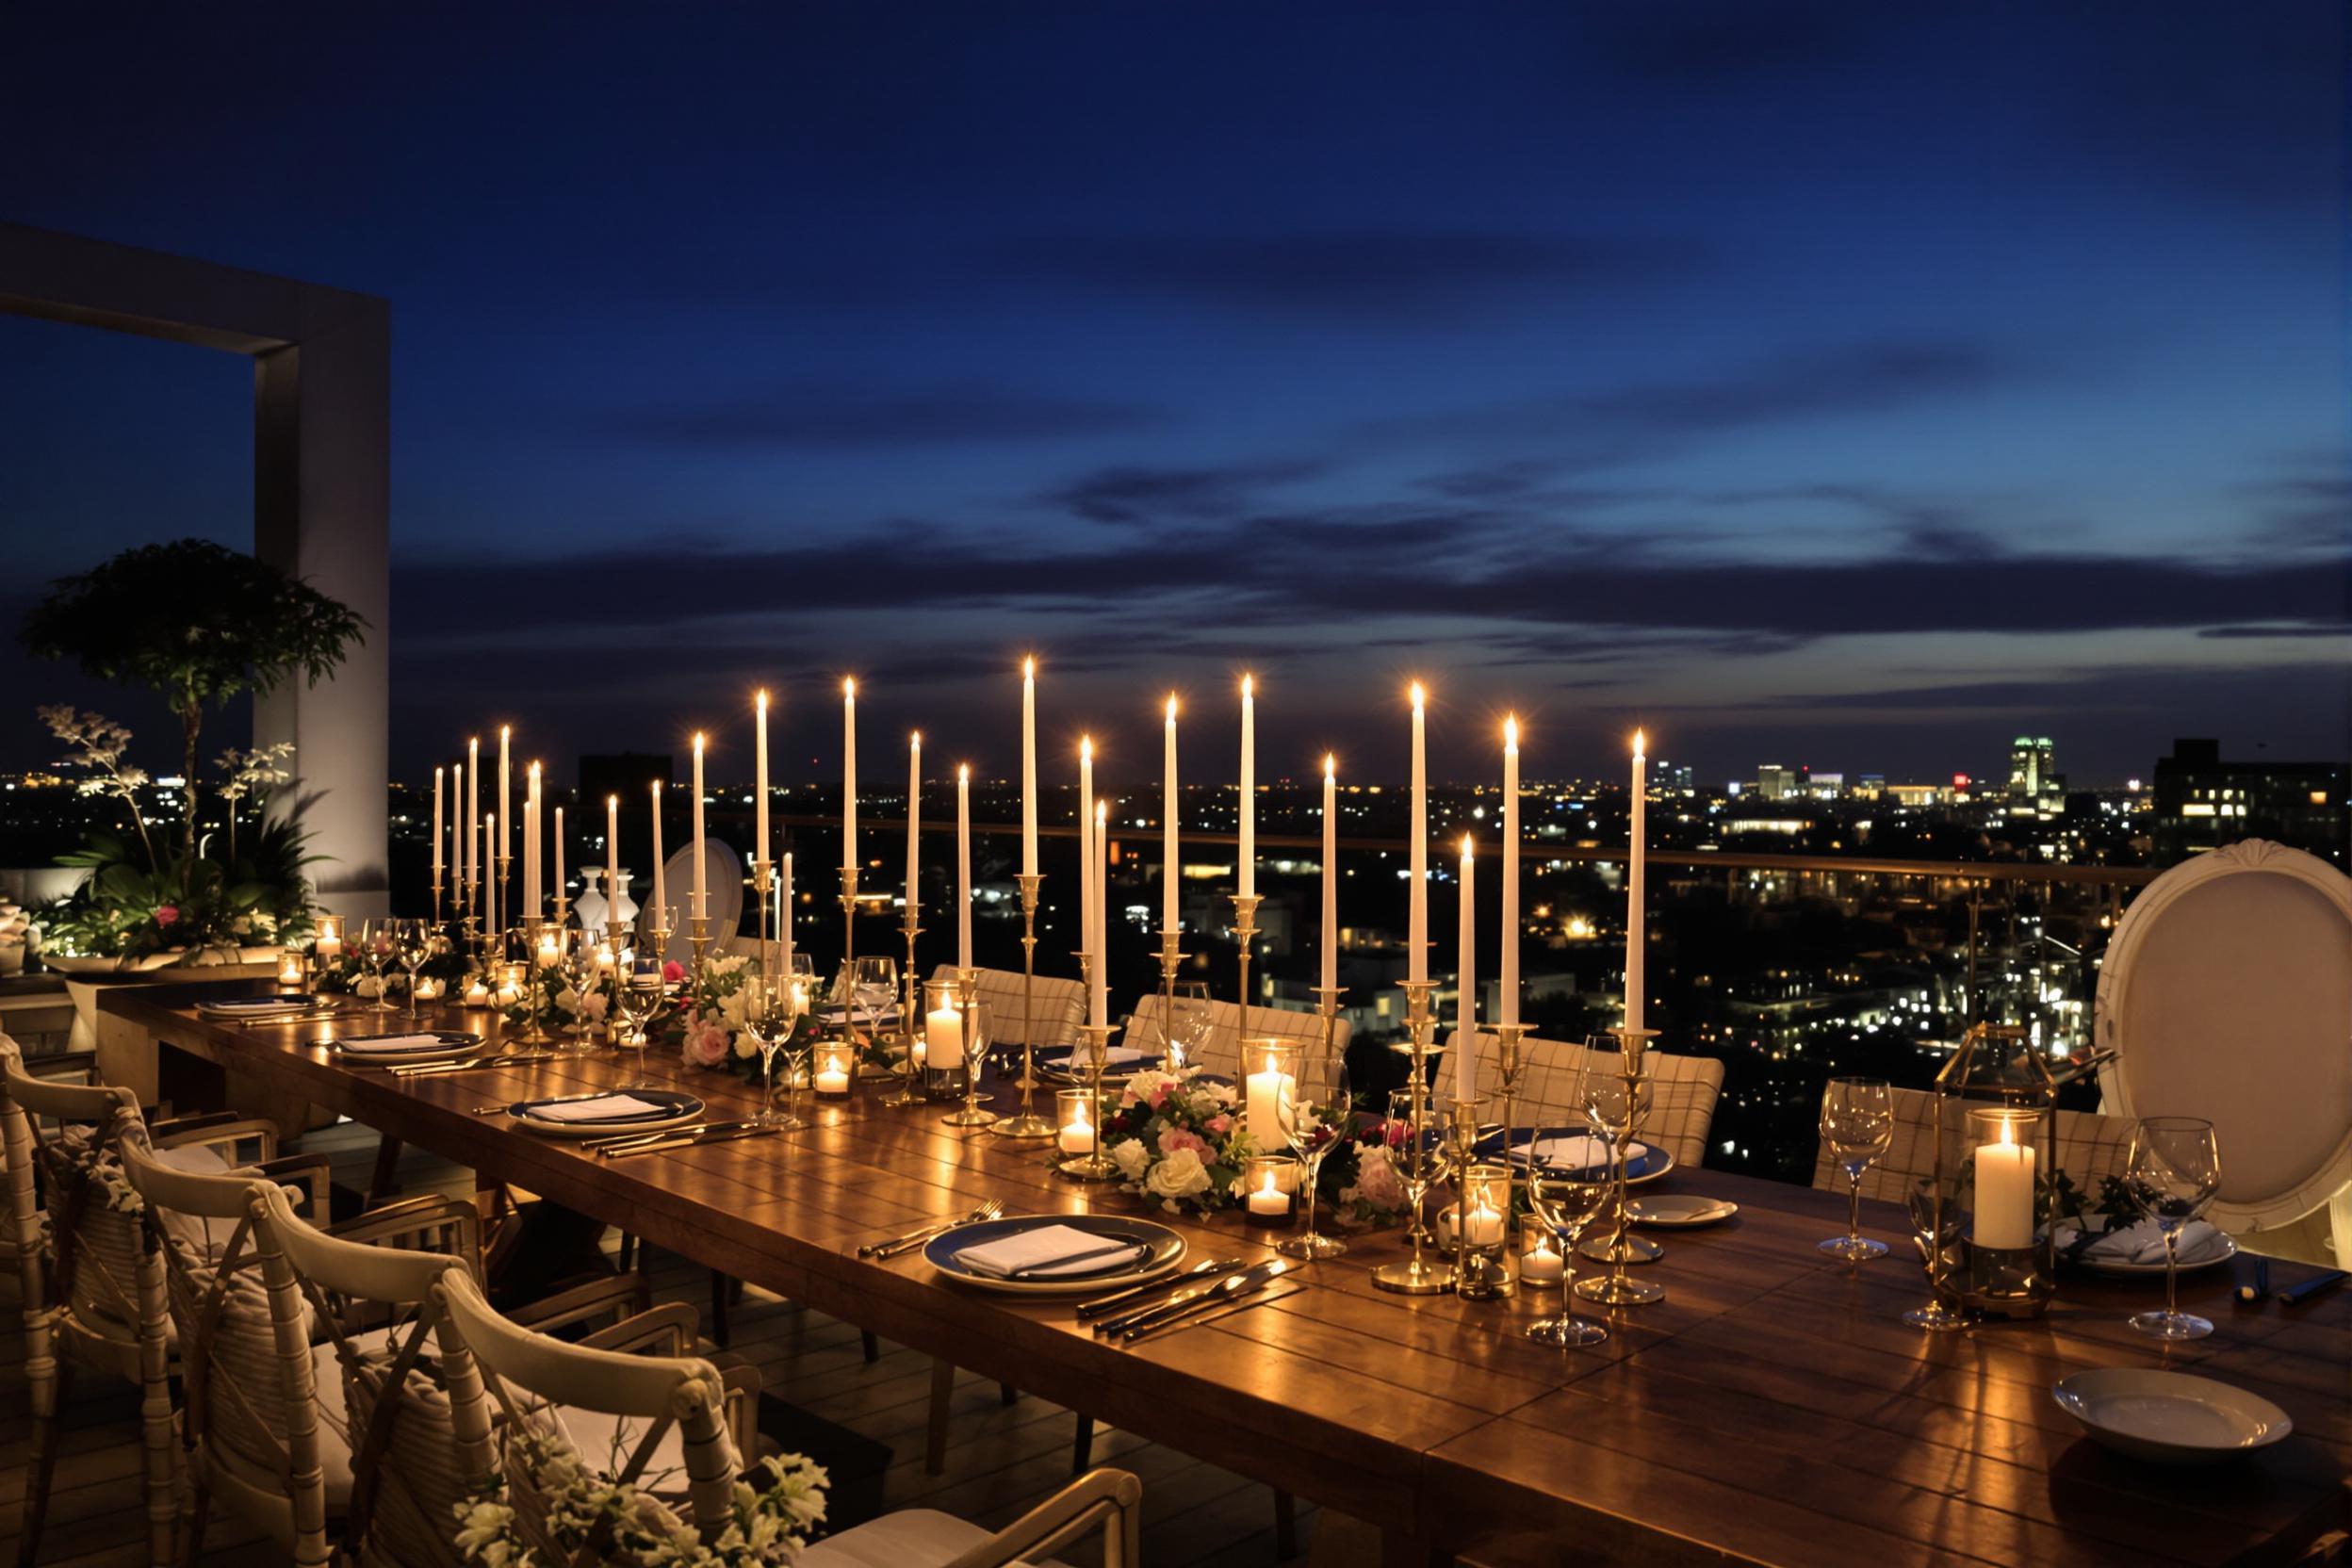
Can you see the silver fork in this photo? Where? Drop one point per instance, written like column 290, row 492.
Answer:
column 892, row 1248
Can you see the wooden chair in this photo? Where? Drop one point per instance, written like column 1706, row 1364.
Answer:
column 1684, row 1090
column 70, row 1066
column 656, row 1396
column 93, row 1291
column 395, row 1383
column 1057, row 1006
column 2090, row 1148
column 1230, row 1024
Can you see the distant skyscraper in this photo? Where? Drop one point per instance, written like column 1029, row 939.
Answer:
column 2035, row 785
column 1775, row 782
column 2203, row 803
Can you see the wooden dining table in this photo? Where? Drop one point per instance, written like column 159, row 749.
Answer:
column 1773, row 1409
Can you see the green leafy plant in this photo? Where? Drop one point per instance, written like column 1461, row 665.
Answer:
column 125, row 909
column 196, row 623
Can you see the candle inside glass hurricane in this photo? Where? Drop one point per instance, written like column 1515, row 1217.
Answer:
column 328, row 944
column 1076, row 1121
column 835, row 1064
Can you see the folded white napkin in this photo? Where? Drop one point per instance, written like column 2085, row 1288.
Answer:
column 605, row 1107
column 1580, row 1151
column 395, row 1046
column 2144, row 1242
column 1048, row 1250
column 1113, row 1057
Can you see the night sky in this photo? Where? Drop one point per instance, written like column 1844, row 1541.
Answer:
column 1850, row 386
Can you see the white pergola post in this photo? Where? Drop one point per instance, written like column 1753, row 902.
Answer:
column 322, row 493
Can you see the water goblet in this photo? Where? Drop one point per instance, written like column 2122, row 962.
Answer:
column 873, row 985
column 1936, row 1225
column 1857, row 1127
column 2173, row 1169
column 1321, row 1113
column 376, row 948
column 1616, row 1094
column 1565, row 1195
column 1187, row 1022
column 639, row 992
column 773, row 1018
column 412, row 945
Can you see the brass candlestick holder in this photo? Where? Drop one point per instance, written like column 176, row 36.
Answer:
column 1416, row 1275
column 967, row 998
column 436, row 893
column 503, row 907
column 1245, row 933
column 1481, row 1209
column 909, row 1091
column 1094, row 1165
column 1622, row 1247
column 762, row 887
column 698, row 942
column 534, row 1031
column 1511, row 1068
column 1027, row 1123
column 1171, row 957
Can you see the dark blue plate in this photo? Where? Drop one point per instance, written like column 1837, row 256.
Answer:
column 1651, row 1163
column 1168, row 1250
column 1055, row 1059
column 275, row 1003
column 677, row 1109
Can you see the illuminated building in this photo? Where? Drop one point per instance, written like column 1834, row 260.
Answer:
column 2203, row 803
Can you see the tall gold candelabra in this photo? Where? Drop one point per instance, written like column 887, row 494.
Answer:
column 1480, row 1273
column 909, row 1091
column 1245, row 933
column 1512, row 1069
column 1416, row 1275
column 1027, row 1123
column 967, row 998
column 1622, row 1247
column 1171, row 957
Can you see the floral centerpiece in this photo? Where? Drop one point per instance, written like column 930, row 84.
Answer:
column 628, row 1525
column 561, row 1006
column 1178, row 1141
column 441, row 975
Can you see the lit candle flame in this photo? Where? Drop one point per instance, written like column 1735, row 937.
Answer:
column 1086, row 747
column 1331, row 767
column 1101, row 812
column 697, row 743
column 1510, row 732
column 505, row 730
column 1419, row 695
column 761, row 699
column 1029, row 668
column 963, row 773
column 914, row 741
column 1638, row 744
column 849, row 687
column 1467, row 850
column 1171, row 708
column 1248, row 684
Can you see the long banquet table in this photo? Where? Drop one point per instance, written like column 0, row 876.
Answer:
column 1772, row 1410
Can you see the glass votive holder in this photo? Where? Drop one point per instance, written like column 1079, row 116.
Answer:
column 293, row 974
column 1541, row 1265
column 835, row 1070
column 327, row 945
column 1269, row 1185
column 1074, row 1115
column 1482, row 1229
column 513, row 980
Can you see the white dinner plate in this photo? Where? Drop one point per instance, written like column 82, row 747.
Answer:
column 1680, row 1210
column 676, row 1110
column 2169, row 1417
column 449, row 1046
column 2218, row 1249
column 1168, row 1250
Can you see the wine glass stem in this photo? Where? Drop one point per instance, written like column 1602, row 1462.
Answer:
column 1854, row 1205
column 2172, row 1274
column 1314, row 1170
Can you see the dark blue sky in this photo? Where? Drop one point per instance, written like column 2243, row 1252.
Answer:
column 1851, row 385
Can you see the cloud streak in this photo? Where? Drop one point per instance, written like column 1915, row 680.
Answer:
column 841, row 417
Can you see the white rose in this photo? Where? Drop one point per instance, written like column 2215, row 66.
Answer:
column 1129, row 1155
column 369, row 986
column 745, row 1045
column 736, row 1008
column 1180, row 1175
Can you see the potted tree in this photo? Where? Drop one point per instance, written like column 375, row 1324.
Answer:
column 197, row 623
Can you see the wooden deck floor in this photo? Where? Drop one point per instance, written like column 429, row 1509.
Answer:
column 1002, row 1458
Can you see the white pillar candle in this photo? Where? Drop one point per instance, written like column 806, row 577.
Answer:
column 1267, row 1095
column 1029, row 767
column 1636, row 899
column 1417, row 829
column 2004, row 1192
column 1248, row 788
column 849, row 773
column 914, row 817
column 660, row 871
column 1330, row 873
column 963, row 867
column 1539, row 1264
column 473, row 808
column 1169, row 861
column 944, row 1038
column 702, row 894
column 1466, row 981
column 560, row 880
column 534, row 827
column 1484, row 1227
column 1510, row 1011
column 436, row 827
column 1077, row 1135
column 506, row 807
column 612, row 861
column 1269, row 1199
column 457, row 840
column 759, row 777
column 1102, row 1008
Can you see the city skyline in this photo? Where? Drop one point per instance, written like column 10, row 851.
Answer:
column 1823, row 385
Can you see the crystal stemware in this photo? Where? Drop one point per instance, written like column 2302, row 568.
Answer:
column 1857, row 1127
column 1934, row 1227
column 1320, row 1113
column 1187, row 1024
column 873, row 985
column 2173, row 1169
column 412, row 945
column 376, row 947
column 774, row 1018
column 1565, row 1195
column 638, row 994
column 581, row 973
column 1616, row 1095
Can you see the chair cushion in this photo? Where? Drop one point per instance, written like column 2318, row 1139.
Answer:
column 605, row 1442
column 912, row 1538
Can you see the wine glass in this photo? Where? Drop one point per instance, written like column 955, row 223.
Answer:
column 774, row 1018
column 638, row 994
column 1857, row 1127
column 2173, row 1169
column 581, row 975
column 1614, row 1104
column 1566, row 1193
column 873, row 983
column 376, row 947
column 1187, row 1022
column 1320, row 1113
column 1936, row 1225
column 413, row 944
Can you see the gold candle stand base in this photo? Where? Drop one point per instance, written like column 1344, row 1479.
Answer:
column 1026, row 1123
column 970, row 1114
column 1416, row 1275
column 1621, row 1246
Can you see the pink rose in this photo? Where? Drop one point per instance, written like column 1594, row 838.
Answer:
column 1176, row 1138
column 1376, row 1181
column 166, row 914
column 1220, row 1124
column 673, row 971
column 705, row 1046
column 1159, row 1093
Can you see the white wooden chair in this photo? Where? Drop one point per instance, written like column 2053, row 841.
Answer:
column 75, row 1066
column 372, row 1285
column 1230, row 1024
column 684, row 1394
column 1683, row 1089
column 2226, row 994
column 92, row 1291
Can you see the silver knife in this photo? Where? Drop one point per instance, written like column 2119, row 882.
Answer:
column 627, row 1150
column 480, row 1063
column 1232, row 1288
column 619, row 1140
column 1182, row 1297
column 1136, row 1295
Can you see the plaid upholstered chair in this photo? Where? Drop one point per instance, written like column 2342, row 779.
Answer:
column 2090, row 1146
column 1684, row 1089
column 1229, row 1028
column 1057, row 1006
